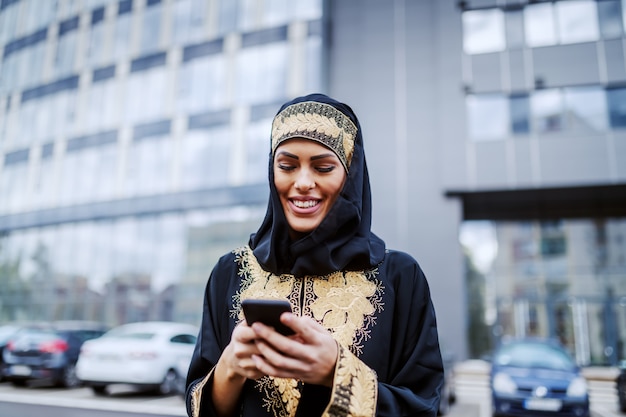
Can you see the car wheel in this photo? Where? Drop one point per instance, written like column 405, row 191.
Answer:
column 19, row 382
column 181, row 385
column 99, row 389
column 169, row 384
column 69, row 378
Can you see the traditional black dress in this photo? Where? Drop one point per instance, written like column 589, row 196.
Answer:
column 375, row 302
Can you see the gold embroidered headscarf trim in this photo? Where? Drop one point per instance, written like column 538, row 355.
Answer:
column 319, row 122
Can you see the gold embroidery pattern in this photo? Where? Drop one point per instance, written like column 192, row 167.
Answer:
column 319, row 122
column 346, row 304
column 196, row 395
column 282, row 395
column 355, row 388
column 257, row 283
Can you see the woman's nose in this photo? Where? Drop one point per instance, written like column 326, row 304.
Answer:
column 304, row 181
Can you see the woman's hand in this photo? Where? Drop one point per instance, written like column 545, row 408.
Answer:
column 236, row 359
column 232, row 369
column 309, row 356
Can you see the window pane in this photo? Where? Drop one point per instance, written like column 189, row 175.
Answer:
column 519, row 108
column 12, row 186
column 616, row 100
column 257, row 151
column 43, row 191
column 609, row 16
column 148, row 166
column 539, row 25
column 8, row 22
column 227, row 16
column 488, row 116
column 151, row 29
column 262, row 73
column 188, row 21
column 547, row 111
column 483, row 31
column 146, row 95
column 276, row 12
column 95, row 49
column 205, row 158
column 66, row 50
column 586, row 109
column 313, row 67
column 247, row 14
column 201, row 84
column 578, row 21
column 105, row 170
column 122, row 36
column 307, row 9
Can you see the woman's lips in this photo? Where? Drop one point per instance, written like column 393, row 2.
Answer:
column 304, row 205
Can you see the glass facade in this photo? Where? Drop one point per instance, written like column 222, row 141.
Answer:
column 567, row 110
column 563, row 278
column 585, row 105
column 134, row 137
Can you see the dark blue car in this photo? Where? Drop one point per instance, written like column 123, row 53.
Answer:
column 48, row 351
column 537, row 377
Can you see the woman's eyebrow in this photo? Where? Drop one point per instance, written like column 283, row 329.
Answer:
column 322, row 156
column 288, row 155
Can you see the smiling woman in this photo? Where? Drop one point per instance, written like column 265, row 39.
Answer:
column 308, row 179
column 365, row 337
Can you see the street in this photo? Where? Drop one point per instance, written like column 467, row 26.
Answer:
column 60, row 402
column 471, row 389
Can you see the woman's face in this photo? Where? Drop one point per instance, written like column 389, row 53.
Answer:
column 308, row 177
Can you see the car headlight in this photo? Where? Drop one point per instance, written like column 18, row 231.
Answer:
column 504, row 384
column 577, row 388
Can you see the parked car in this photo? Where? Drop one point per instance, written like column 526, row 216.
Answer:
column 147, row 355
column 621, row 386
column 48, row 352
column 6, row 332
column 538, row 377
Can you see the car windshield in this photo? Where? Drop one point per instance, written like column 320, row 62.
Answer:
column 534, row 355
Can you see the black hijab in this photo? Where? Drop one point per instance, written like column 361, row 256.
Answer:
column 343, row 240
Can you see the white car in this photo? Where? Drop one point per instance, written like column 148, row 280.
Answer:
column 145, row 354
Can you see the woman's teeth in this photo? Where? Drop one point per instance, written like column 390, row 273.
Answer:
column 305, row 204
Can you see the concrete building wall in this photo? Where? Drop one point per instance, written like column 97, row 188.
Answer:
column 385, row 61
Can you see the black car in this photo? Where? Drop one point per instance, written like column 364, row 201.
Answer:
column 48, row 352
column 7, row 331
column 537, row 377
column 621, row 387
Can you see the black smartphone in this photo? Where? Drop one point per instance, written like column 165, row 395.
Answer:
column 267, row 312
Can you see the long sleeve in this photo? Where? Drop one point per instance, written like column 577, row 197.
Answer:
column 411, row 381
column 214, row 335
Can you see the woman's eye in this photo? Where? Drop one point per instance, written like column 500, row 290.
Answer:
column 326, row 168
column 286, row 167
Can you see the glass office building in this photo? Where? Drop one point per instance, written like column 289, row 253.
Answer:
column 134, row 142
column 134, row 137
column 541, row 79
